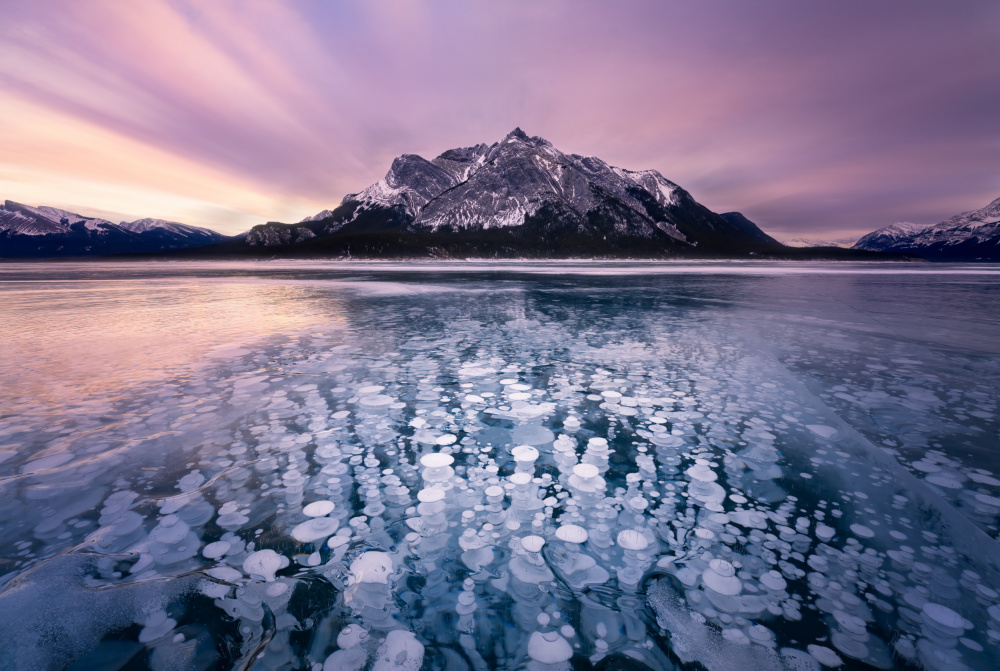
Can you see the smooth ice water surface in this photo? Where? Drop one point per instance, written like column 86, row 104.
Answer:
column 499, row 465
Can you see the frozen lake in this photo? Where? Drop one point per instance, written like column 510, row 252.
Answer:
column 499, row 466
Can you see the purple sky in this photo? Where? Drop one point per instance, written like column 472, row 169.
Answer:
column 815, row 119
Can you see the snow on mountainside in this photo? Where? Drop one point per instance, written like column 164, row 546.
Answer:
column 524, row 186
column 846, row 243
column 889, row 235
column 27, row 220
column 38, row 232
column 173, row 227
column 969, row 235
column 318, row 216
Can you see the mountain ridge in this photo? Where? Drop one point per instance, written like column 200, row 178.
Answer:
column 527, row 188
column 46, row 232
column 971, row 235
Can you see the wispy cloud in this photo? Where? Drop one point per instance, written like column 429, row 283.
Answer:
column 807, row 117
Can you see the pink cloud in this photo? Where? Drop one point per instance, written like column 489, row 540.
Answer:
column 806, row 117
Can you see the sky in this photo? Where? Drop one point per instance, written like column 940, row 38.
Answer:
column 818, row 119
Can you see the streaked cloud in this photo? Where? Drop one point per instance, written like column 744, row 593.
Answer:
column 811, row 118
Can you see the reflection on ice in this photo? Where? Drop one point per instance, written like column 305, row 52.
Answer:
column 436, row 479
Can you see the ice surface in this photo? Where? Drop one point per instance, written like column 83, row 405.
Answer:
column 752, row 466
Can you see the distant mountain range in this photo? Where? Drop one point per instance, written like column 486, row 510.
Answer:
column 517, row 198
column 819, row 242
column 968, row 236
column 33, row 232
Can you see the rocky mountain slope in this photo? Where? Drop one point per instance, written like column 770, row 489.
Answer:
column 41, row 232
column 973, row 235
column 515, row 197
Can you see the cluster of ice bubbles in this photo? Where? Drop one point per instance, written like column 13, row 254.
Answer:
column 912, row 402
column 665, row 513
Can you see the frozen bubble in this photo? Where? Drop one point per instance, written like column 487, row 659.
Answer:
column 264, row 564
column 436, row 460
column 825, row 656
column 524, row 453
column 191, row 481
column 571, row 533
column 822, row 430
column 315, row 529
column 430, row 495
column 226, row 573
column 520, row 478
column 850, row 623
column 446, row 439
column 586, row 471
column 848, row 645
column 318, row 509
column 720, row 577
column 945, row 616
column 824, row 532
column 532, row 434
column 216, row 549
column 475, row 371
column 401, row 651
column 372, row 567
column 170, row 530
column 638, row 504
column 631, row 539
column 702, row 473
column 773, row 580
column 549, row 648
column 533, row 543
column 988, row 500
column 897, row 535
column 945, row 480
column 862, row 531
column 375, row 401
column 373, row 389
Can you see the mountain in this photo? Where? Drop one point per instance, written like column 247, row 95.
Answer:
column 819, row 242
column 973, row 235
column 41, row 232
column 520, row 196
column 748, row 227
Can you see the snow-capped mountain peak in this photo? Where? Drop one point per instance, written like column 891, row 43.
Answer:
column 974, row 218
column 519, row 184
column 969, row 235
column 903, row 229
column 183, row 230
column 27, row 231
column 44, row 220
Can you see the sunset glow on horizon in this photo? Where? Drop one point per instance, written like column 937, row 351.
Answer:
column 817, row 121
